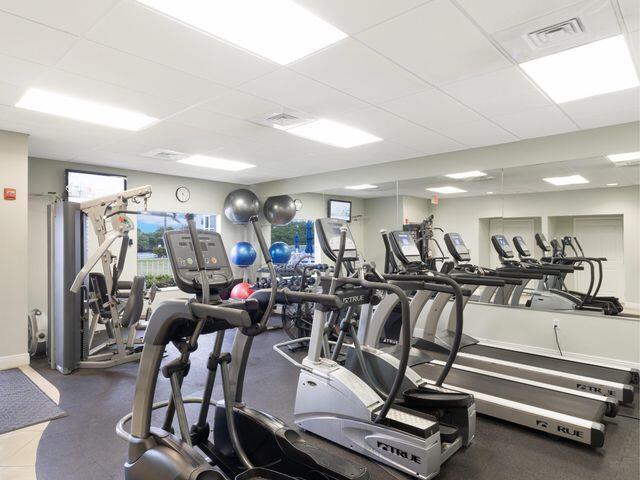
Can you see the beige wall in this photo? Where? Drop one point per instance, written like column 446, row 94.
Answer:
column 14, row 258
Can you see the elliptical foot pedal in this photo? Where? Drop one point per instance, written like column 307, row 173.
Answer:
column 263, row 474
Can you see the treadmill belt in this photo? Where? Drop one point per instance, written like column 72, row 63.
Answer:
column 585, row 408
column 540, row 361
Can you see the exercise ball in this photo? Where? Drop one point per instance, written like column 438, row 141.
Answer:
column 241, row 291
column 243, row 254
column 240, row 205
column 280, row 252
column 279, row 210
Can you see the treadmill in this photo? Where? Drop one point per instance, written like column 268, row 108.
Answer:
column 609, row 380
column 577, row 416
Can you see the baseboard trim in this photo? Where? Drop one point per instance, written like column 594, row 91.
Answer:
column 14, row 361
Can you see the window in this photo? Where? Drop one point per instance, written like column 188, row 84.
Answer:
column 300, row 236
column 151, row 255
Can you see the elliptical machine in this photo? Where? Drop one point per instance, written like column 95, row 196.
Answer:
column 247, row 444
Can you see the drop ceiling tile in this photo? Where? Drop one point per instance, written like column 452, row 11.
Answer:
column 536, row 122
column 19, row 72
column 391, row 127
column 353, row 16
column 136, row 29
column 241, row 105
column 631, row 13
column 10, row 94
column 292, row 90
column 478, row 134
column 603, row 110
column 498, row 93
column 74, row 16
column 357, row 70
column 432, row 109
column 437, row 42
column 31, row 41
column 495, row 15
column 112, row 66
column 74, row 85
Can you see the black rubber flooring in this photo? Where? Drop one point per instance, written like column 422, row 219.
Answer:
column 84, row 446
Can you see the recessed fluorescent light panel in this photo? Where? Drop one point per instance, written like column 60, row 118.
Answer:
column 624, row 157
column 215, row 163
column 593, row 69
column 489, row 193
column 364, row 186
column 471, row 174
column 612, row 184
column 445, row 190
column 333, row 133
column 83, row 110
column 568, row 180
column 280, row 30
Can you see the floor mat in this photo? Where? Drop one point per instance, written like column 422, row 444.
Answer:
column 22, row 403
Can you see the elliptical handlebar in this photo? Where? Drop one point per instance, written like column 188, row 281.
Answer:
column 272, row 271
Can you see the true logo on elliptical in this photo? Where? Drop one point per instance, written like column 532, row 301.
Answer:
column 355, row 299
column 400, row 453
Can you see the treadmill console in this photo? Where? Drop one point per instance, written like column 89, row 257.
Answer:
column 404, row 246
column 521, row 246
column 501, row 244
column 456, row 247
column 328, row 230
column 543, row 243
column 183, row 260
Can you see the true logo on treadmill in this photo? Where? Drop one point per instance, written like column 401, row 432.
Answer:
column 542, row 423
column 589, row 388
column 570, row 431
column 400, row 453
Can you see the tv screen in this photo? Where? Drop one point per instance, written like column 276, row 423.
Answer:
column 83, row 186
column 340, row 209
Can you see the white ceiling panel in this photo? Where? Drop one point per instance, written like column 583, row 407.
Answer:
column 609, row 109
column 495, row 15
column 631, row 13
column 478, row 134
column 112, row 66
column 290, row 89
column 74, row 16
column 498, row 93
column 432, row 109
column 10, row 94
column 391, row 127
column 88, row 89
column 536, row 122
column 437, row 42
column 352, row 16
column 241, row 105
column 135, row 29
column 19, row 72
column 356, row 69
column 32, row 41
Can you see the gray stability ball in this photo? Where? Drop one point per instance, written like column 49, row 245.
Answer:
column 279, row 210
column 240, row 205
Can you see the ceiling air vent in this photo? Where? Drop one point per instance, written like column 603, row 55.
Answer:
column 282, row 120
column 164, row 154
column 557, row 33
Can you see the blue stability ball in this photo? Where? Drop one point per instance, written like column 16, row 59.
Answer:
column 243, row 254
column 280, row 252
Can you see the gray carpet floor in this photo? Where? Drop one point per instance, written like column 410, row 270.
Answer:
column 83, row 445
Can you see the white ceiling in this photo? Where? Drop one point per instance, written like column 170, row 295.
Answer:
column 599, row 171
column 426, row 76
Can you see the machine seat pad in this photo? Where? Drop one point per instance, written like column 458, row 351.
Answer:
column 425, row 397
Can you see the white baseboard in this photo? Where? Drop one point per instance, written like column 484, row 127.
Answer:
column 14, row 361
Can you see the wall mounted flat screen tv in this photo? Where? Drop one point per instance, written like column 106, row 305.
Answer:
column 83, row 186
column 340, row 209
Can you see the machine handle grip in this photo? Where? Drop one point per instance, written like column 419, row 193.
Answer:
column 327, row 300
column 193, row 232
column 233, row 316
column 478, row 280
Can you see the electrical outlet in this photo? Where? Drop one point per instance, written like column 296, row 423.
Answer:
column 556, row 323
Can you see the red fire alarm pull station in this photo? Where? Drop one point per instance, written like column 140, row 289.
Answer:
column 9, row 193
column 435, row 200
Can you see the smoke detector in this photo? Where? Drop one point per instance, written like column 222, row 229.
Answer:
column 164, row 154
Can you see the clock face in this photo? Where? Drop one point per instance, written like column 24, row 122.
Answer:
column 298, row 204
column 183, row 194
